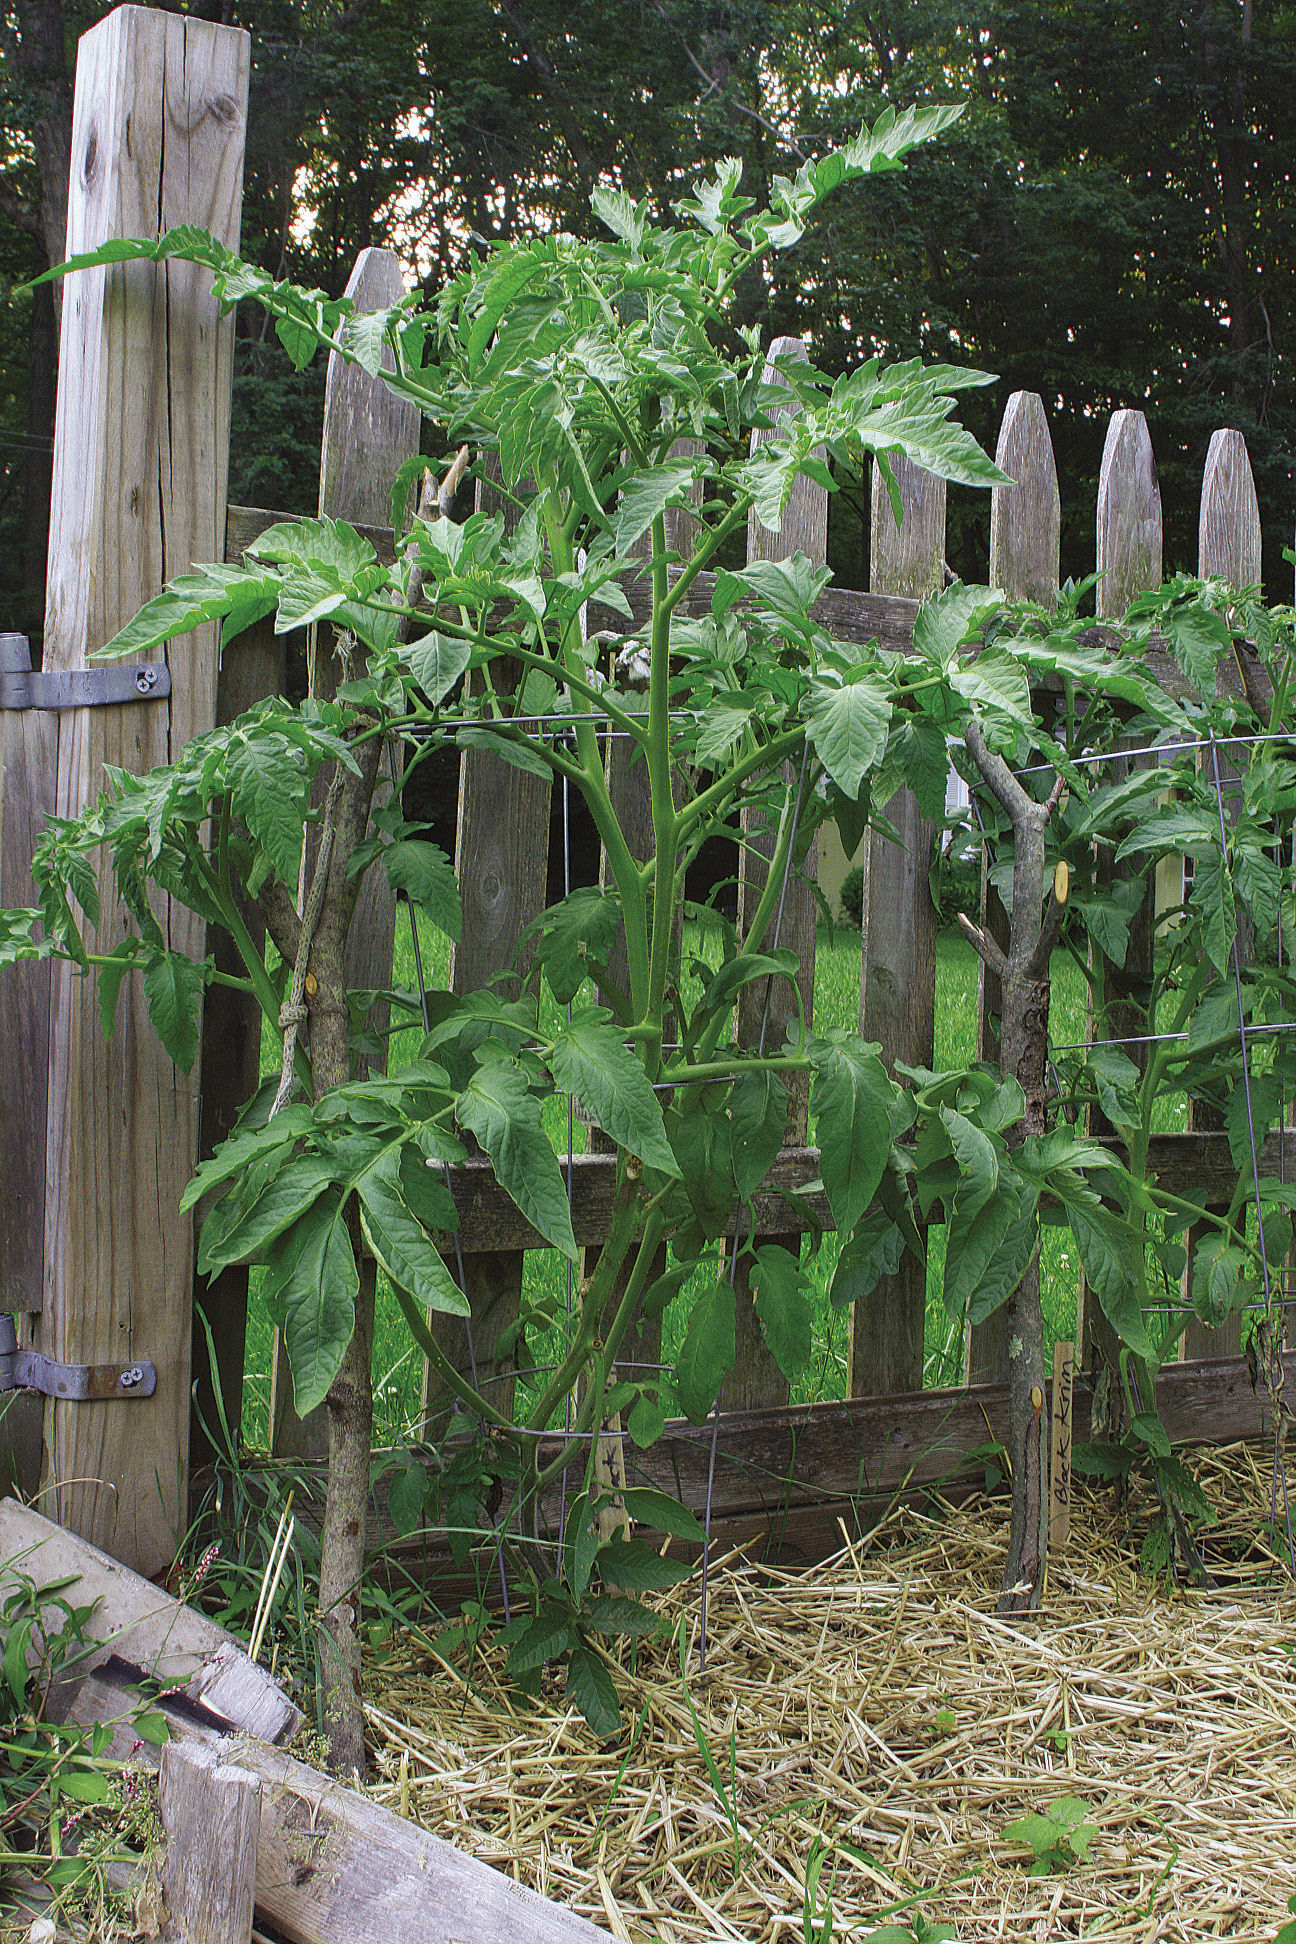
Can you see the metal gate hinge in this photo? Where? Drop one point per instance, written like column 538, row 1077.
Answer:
column 70, row 1383
column 22, row 687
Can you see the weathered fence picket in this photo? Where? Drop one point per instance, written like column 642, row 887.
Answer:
column 766, row 1008
column 1228, row 545
column 897, row 1005
column 368, row 435
column 1128, row 563
column 1025, row 560
column 140, row 459
column 502, row 863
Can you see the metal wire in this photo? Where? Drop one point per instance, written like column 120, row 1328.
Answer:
column 1101, row 756
column 1163, row 1039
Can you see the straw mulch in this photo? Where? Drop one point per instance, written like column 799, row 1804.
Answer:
column 878, row 1708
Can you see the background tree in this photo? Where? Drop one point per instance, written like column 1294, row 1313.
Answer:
column 1109, row 226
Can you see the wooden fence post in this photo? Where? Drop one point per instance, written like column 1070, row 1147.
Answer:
column 140, row 454
column 211, row 1812
column 368, row 435
column 1025, row 555
column 756, row 1379
column 28, row 753
column 1128, row 560
column 1228, row 546
column 898, row 932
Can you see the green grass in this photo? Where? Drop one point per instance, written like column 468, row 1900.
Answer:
column 398, row 1367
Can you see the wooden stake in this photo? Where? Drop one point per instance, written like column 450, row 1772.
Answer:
column 211, row 1812
column 1060, row 1447
column 368, row 435
column 898, row 968
column 756, row 1379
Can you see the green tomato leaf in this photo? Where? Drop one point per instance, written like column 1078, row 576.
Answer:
column 1218, row 1279
column 498, row 1107
column 401, row 1244
column 316, row 1298
column 650, row 490
column 582, row 926
column 758, row 1110
column 783, row 1306
column 1107, row 1249
column 847, row 728
column 426, row 876
column 436, row 663
column 591, row 1687
column 852, row 1101
column 235, row 1232
column 590, row 1061
column 706, row 1355
column 661, row 1512
column 173, row 987
column 871, row 1252
column 631, row 1564
column 269, row 790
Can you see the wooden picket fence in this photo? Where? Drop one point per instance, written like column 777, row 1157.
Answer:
column 97, row 1141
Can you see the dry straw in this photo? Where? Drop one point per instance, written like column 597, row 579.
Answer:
column 885, row 1725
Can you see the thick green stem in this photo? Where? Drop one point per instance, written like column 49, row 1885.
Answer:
column 594, row 1296
column 621, row 1322
column 711, row 801
column 707, row 550
column 591, row 781
column 665, row 818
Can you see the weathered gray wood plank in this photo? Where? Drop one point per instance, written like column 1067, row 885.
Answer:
column 766, row 1009
column 251, row 668
column 502, row 864
column 1128, row 560
column 332, row 1867
column 784, row 1477
column 1228, row 545
column 1184, row 1164
column 140, row 449
column 897, row 1004
column 142, row 1625
column 886, row 619
column 28, row 756
column 1025, row 556
column 368, row 435
column 211, row 1815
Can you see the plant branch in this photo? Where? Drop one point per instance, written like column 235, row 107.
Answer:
column 986, row 948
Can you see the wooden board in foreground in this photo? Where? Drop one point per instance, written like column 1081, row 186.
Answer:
column 333, row 1867
column 139, row 1623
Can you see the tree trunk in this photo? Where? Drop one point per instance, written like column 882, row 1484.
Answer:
column 1024, row 1053
column 350, row 1399
column 1023, row 1056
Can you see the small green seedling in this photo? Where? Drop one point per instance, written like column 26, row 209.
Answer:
column 923, row 1932
column 1059, row 1835
column 1287, row 1935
